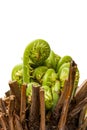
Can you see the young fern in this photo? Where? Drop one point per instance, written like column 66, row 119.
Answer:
column 34, row 54
column 17, row 74
column 42, row 67
column 52, row 60
column 63, row 60
column 63, row 74
column 39, row 73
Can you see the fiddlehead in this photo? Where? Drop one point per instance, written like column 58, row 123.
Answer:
column 52, row 60
column 17, row 74
column 63, row 59
column 48, row 97
column 35, row 53
column 49, row 77
column 41, row 66
column 56, row 89
column 63, row 74
column 39, row 73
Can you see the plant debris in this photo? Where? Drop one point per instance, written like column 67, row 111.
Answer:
column 68, row 114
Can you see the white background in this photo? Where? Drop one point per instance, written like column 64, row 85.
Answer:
column 62, row 23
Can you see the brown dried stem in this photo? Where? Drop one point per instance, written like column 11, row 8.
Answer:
column 23, row 103
column 18, row 125
column 15, row 90
column 58, row 108
column 42, row 110
column 82, row 115
column 82, row 92
column 2, row 106
column 35, row 109
column 11, row 109
column 68, row 95
column 77, row 108
column 84, row 125
column 3, row 122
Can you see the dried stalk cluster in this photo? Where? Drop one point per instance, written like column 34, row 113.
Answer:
column 69, row 113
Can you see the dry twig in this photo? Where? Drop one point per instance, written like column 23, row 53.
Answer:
column 34, row 123
column 42, row 110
